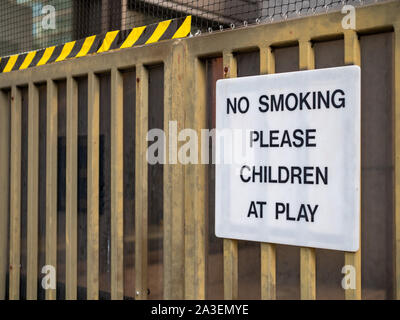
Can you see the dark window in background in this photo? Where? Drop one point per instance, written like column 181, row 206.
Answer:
column 214, row 245
column 24, row 192
column 82, row 184
column 377, row 166
column 129, row 101
column 87, row 15
column 42, row 185
column 96, row 16
column 155, row 188
column 249, row 274
column 61, row 187
column 105, row 188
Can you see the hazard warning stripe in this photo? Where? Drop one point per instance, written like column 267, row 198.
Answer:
column 171, row 30
column 108, row 41
column 28, row 60
column 183, row 29
column 3, row 63
column 159, row 31
column 113, row 40
column 84, row 47
column 66, row 50
column 10, row 63
column 132, row 37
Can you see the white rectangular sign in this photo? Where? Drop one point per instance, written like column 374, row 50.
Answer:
column 288, row 158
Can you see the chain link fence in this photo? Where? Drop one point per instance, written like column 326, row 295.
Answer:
column 34, row 24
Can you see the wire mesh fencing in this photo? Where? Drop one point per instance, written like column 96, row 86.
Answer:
column 34, row 24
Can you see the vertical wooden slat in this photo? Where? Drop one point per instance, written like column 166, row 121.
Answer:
column 196, row 193
column 71, row 224
column 397, row 156
column 190, row 196
column 51, row 180
column 33, row 192
column 178, row 174
column 230, row 269
column 352, row 55
column 268, row 271
column 117, row 194
column 167, row 184
column 4, row 188
column 174, row 173
column 141, row 187
column 15, row 193
column 307, row 255
column 230, row 245
column 307, row 274
column 189, row 228
column 200, row 186
column 268, row 250
column 93, row 171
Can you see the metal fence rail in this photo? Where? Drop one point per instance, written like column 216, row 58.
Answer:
column 185, row 190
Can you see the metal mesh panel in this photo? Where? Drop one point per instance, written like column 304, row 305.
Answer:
column 34, row 24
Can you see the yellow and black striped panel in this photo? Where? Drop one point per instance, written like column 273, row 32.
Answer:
column 113, row 40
